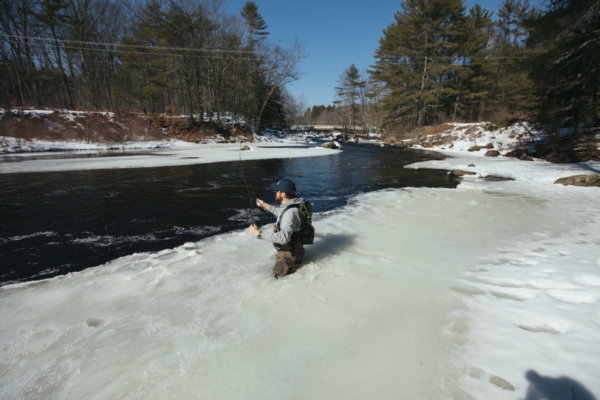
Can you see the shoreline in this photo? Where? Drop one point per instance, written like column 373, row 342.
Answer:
column 179, row 154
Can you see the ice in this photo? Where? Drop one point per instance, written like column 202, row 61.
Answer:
column 408, row 293
column 364, row 317
column 540, row 311
column 178, row 153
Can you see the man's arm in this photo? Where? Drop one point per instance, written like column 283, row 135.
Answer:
column 272, row 209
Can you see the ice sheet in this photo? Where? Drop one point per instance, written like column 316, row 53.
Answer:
column 181, row 153
column 533, row 305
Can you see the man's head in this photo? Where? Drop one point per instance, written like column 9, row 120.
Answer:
column 284, row 190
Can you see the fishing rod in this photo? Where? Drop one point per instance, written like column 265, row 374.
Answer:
column 247, row 187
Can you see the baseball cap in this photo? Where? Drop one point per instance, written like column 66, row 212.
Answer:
column 284, row 185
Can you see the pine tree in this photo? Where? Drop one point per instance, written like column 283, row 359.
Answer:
column 565, row 67
column 512, row 89
column 415, row 60
column 479, row 72
column 350, row 93
column 255, row 24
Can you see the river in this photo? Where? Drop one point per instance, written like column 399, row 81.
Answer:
column 59, row 222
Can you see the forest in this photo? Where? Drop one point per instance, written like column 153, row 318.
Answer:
column 438, row 62
column 173, row 57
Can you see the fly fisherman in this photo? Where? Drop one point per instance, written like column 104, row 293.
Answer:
column 287, row 232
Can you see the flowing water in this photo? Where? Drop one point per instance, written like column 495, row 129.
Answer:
column 58, row 222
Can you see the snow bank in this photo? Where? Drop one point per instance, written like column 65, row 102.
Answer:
column 467, row 136
column 179, row 153
column 533, row 305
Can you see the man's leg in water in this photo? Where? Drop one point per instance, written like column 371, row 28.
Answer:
column 286, row 263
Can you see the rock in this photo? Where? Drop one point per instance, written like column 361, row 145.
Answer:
column 492, row 153
column 580, row 180
column 520, row 154
column 332, row 145
column 245, row 148
column 475, row 148
column 525, row 157
column 471, row 165
column 494, row 178
column 460, row 172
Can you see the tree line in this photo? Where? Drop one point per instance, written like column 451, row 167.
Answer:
column 175, row 56
column 438, row 63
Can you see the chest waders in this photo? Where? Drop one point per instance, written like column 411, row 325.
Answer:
column 292, row 245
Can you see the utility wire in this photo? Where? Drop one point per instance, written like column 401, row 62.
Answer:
column 224, row 51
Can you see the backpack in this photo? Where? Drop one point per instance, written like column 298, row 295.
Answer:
column 307, row 234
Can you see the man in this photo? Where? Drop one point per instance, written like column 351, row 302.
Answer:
column 287, row 232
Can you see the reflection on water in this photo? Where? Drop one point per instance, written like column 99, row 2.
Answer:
column 58, row 222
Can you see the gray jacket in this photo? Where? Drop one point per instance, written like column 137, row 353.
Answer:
column 288, row 222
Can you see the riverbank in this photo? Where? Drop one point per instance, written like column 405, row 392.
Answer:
column 177, row 153
column 420, row 293
column 532, row 306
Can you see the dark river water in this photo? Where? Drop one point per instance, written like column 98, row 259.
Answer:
column 58, row 222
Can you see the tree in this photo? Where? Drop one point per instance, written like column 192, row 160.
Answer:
column 565, row 67
column 512, row 89
column 255, row 24
column 473, row 79
column 52, row 15
column 414, row 60
column 351, row 95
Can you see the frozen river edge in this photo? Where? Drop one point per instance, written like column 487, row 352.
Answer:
column 427, row 293
column 164, row 154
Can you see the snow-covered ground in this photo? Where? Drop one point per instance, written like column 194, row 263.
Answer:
column 531, row 304
column 489, row 291
column 465, row 136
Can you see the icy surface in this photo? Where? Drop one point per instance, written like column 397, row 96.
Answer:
column 533, row 305
column 179, row 153
column 413, row 293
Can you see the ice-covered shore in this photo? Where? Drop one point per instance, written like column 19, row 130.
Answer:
column 177, row 153
column 414, row 293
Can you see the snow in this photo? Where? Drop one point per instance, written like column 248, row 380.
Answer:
column 178, row 153
column 532, row 304
column 468, row 135
column 407, row 293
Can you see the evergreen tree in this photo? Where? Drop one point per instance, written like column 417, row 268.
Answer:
column 255, row 27
column 144, row 81
column 478, row 75
column 350, row 92
column 565, row 68
column 255, row 24
column 415, row 60
column 512, row 89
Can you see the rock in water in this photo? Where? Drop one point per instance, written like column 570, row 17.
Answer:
column 580, row 180
column 460, row 172
column 492, row 153
column 332, row 145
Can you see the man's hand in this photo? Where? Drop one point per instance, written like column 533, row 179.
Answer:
column 253, row 229
column 261, row 203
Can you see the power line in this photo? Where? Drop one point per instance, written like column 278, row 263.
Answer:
column 171, row 49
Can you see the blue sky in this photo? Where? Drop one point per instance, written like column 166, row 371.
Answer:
column 335, row 35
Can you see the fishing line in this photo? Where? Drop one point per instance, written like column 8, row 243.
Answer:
column 247, row 187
